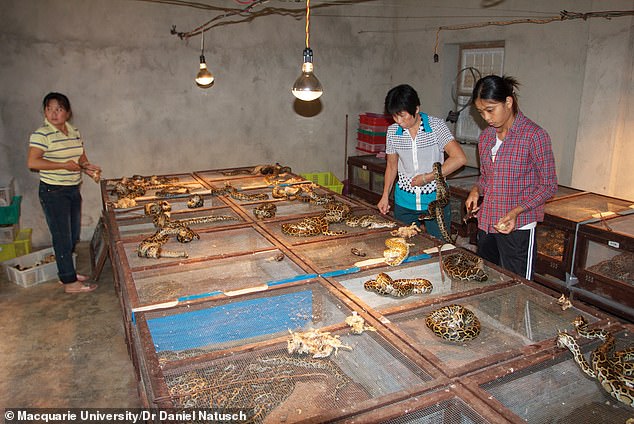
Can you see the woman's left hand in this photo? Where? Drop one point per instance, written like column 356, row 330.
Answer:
column 506, row 224
column 93, row 171
column 420, row 180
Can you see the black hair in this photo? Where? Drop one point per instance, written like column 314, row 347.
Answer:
column 496, row 88
column 62, row 100
column 401, row 98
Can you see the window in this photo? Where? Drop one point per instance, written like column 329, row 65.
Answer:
column 485, row 59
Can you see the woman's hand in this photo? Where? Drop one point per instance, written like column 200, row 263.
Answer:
column 472, row 201
column 93, row 171
column 383, row 205
column 422, row 179
column 71, row 165
column 507, row 223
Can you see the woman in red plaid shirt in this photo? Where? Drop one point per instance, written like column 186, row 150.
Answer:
column 517, row 176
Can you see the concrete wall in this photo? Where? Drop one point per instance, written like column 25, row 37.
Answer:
column 131, row 82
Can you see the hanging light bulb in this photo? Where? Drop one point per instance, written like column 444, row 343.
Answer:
column 307, row 87
column 204, row 78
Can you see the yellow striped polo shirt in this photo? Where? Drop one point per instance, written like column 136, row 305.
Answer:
column 58, row 147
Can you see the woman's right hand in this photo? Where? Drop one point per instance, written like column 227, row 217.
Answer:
column 383, row 205
column 472, row 201
column 71, row 165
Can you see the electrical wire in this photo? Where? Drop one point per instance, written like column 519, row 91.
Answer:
column 307, row 23
column 563, row 15
column 246, row 13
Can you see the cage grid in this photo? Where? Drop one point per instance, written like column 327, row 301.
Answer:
column 108, row 185
column 275, row 228
column 428, row 269
column 212, row 244
column 276, row 386
column 511, row 319
column 197, row 220
column 584, row 206
column 194, row 329
column 183, row 360
column 559, row 390
column 441, row 405
column 228, row 274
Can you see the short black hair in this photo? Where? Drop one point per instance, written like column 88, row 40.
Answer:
column 62, row 100
column 401, row 98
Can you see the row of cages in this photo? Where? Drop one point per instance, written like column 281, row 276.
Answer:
column 585, row 244
column 247, row 316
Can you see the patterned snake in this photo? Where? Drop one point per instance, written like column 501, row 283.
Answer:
column 369, row 221
column 317, row 225
column 384, row 285
column 152, row 246
column 453, row 323
column 265, row 210
column 436, row 207
column 397, row 250
column 613, row 370
column 464, row 266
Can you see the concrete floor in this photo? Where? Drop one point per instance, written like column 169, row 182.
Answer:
column 61, row 350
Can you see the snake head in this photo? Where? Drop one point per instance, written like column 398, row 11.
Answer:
column 437, row 167
column 580, row 322
column 564, row 339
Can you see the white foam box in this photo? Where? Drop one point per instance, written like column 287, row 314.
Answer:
column 37, row 272
column 7, row 191
column 8, row 233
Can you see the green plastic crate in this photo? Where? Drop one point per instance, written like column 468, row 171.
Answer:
column 325, row 179
column 10, row 215
column 19, row 247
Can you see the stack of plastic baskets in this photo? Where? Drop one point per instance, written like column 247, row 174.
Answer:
column 371, row 132
column 325, row 179
column 13, row 241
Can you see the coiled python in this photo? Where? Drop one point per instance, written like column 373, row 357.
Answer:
column 453, row 323
column 265, row 210
column 152, row 247
column 313, row 226
column 464, row 266
column 397, row 250
column 384, row 285
column 310, row 226
column 612, row 370
column 435, row 210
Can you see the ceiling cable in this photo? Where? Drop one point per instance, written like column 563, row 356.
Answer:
column 563, row 15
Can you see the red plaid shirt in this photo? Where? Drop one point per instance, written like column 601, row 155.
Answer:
column 523, row 174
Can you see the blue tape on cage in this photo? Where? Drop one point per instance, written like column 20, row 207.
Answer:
column 230, row 322
column 199, row 296
column 341, row 272
column 292, row 279
column 417, row 257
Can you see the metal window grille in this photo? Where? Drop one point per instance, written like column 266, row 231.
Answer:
column 488, row 61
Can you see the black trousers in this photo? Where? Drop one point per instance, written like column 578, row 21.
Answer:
column 514, row 252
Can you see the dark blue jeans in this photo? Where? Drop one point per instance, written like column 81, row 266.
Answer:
column 62, row 209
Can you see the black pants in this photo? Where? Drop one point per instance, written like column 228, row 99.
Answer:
column 62, row 209
column 514, row 252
